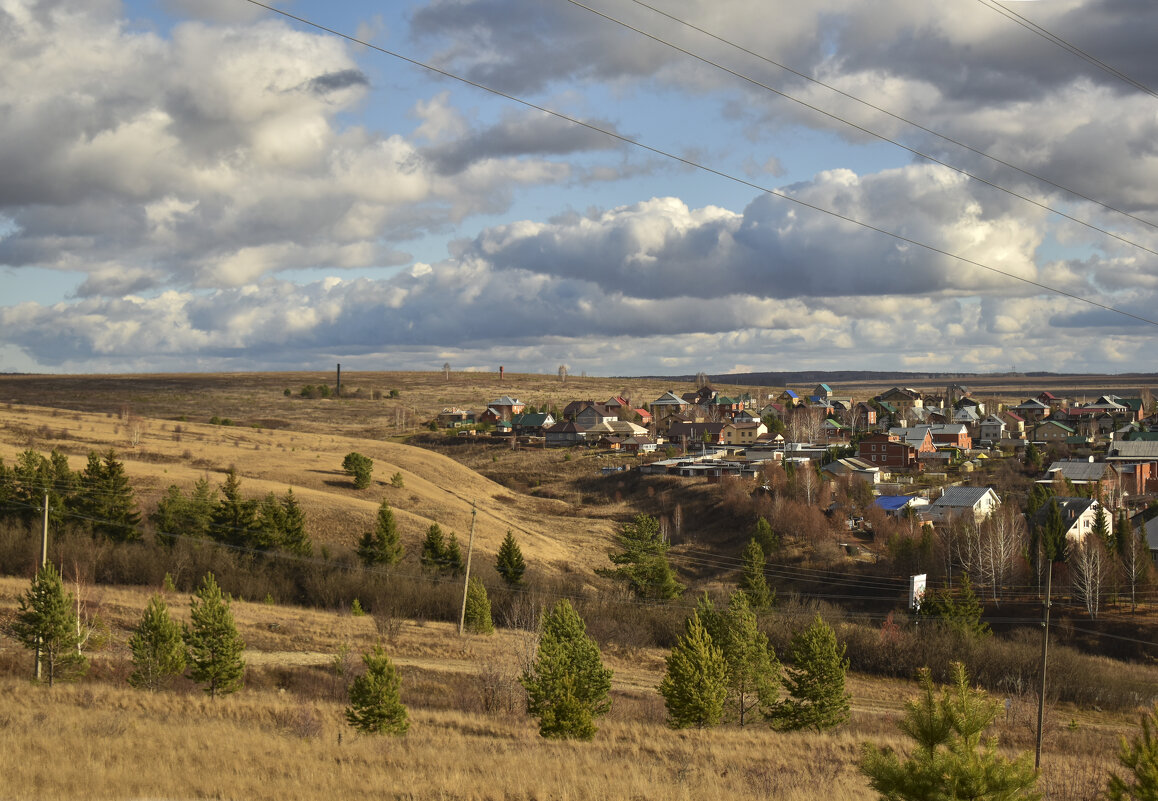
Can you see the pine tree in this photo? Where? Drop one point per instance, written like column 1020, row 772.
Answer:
column 753, row 670
column 360, row 468
column 477, row 618
column 753, row 582
column 213, row 645
column 1102, row 530
column 960, row 613
column 382, row 545
column 270, row 523
column 509, row 561
column 433, row 548
column 815, row 682
column 375, row 697
column 695, row 686
column 764, row 535
column 642, row 560
column 452, row 557
column 46, row 620
column 951, row 759
column 294, row 537
column 157, row 647
column 234, row 520
column 567, row 684
column 104, row 499
column 1140, row 758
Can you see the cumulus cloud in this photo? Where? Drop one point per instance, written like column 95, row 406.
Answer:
column 216, row 155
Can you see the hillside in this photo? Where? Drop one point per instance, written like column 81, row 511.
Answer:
column 159, row 452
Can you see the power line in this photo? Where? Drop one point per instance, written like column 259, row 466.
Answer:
column 900, row 118
column 714, row 171
column 1033, row 27
column 869, row 131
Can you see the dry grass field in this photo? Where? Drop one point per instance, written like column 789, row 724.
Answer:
column 283, row 735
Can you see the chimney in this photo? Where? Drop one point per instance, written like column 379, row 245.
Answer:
column 500, row 374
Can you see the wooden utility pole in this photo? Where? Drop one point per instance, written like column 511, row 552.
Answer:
column 1044, row 653
column 43, row 562
column 466, row 580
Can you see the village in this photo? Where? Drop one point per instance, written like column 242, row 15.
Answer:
column 925, row 457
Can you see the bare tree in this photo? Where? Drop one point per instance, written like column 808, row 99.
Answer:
column 446, row 370
column 1002, row 546
column 563, row 373
column 702, row 379
column 1136, row 565
column 1087, row 561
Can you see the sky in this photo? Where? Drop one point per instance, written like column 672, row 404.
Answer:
column 621, row 187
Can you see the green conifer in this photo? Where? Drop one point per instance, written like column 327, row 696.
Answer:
column 157, row 647
column 567, row 684
column 382, row 545
column 375, row 697
column 46, row 622
column 815, row 682
column 213, row 646
column 695, row 686
column 951, row 760
column 477, row 617
column 752, row 581
column 509, row 561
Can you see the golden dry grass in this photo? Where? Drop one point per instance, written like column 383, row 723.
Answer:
column 436, row 488
column 101, row 740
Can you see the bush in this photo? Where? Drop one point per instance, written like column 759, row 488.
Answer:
column 360, row 467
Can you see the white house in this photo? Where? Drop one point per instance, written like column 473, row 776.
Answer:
column 956, row 502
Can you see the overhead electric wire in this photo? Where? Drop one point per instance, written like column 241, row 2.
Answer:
column 869, row 104
column 869, row 131
column 713, row 170
column 1033, row 27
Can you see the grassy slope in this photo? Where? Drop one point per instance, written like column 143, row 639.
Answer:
column 283, row 735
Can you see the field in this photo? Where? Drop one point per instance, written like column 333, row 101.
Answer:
column 284, row 735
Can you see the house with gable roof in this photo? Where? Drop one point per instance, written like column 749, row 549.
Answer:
column 957, row 502
column 1079, row 516
column 1032, row 410
column 1096, row 477
column 668, row 404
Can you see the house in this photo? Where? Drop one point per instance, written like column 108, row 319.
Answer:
column 1050, row 431
column 504, row 408
column 563, row 433
column 1014, row 424
column 591, row 415
column 454, row 418
column 618, row 406
column 991, row 429
column 958, row 502
column 639, row 444
column 788, row 398
column 901, row 399
column 1079, row 516
column 531, row 423
column 897, row 505
column 1032, row 410
column 853, row 468
column 951, row 434
column 1149, row 532
column 1097, row 477
column 743, row 434
column 668, row 404
column 887, row 450
column 1137, row 464
column 865, row 414
column 823, row 391
column 833, row 431
column 690, row 434
column 919, row 438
